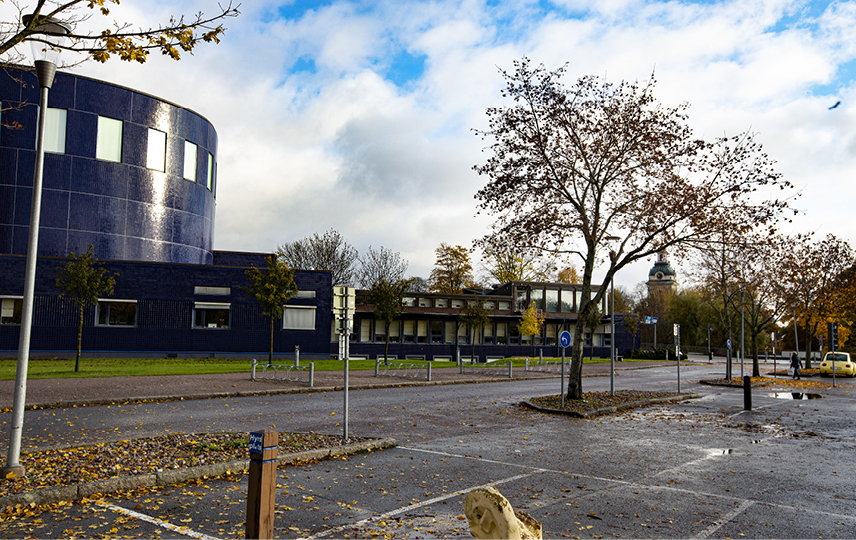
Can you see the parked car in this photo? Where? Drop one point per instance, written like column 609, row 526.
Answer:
column 843, row 365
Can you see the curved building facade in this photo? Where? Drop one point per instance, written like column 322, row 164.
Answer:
column 132, row 174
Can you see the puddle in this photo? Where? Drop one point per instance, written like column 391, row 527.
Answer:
column 794, row 395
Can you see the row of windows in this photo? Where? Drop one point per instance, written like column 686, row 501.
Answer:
column 109, row 145
column 123, row 313
column 548, row 300
column 450, row 332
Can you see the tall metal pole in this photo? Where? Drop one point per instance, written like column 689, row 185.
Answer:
column 796, row 336
column 45, row 71
column 612, row 338
column 347, row 351
column 742, row 333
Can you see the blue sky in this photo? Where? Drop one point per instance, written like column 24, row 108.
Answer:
column 358, row 115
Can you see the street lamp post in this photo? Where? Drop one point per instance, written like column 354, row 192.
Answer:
column 50, row 33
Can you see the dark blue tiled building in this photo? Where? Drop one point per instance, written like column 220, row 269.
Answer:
column 135, row 176
column 127, row 172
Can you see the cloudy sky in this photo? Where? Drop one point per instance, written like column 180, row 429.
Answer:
column 358, row 115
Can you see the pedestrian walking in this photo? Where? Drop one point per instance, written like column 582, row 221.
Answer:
column 795, row 365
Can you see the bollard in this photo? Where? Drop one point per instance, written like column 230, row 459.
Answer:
column 526, row 364
column 747, row 393
column 261, row 488
column 510, row 363
column 297, row 356
column 311, row 374
column 253, row 374
column 377, row 367
column 429, row 372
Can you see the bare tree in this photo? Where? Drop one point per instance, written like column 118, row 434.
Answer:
column 382, row 264
column 330, row 253
column 171, row 38
column 600, row 168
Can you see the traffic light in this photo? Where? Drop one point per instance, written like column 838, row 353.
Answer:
column 832, row 331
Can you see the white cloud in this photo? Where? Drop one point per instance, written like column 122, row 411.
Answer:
column 344, row 147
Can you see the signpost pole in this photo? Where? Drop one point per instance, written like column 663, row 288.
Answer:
column 564, row 341
column 678, row 353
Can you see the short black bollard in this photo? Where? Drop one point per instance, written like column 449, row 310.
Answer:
column 747, row 393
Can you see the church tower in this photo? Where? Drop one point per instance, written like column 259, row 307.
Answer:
column 662, row 277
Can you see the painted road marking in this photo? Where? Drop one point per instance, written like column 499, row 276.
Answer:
column 154, row 521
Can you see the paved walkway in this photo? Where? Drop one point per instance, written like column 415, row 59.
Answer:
column 43, row 393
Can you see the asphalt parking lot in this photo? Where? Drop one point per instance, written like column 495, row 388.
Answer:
column 702, row 469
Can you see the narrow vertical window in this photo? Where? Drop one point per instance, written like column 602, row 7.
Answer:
column 190, row 161
column 156, row 151
column 210, row 181
column 55, row 122
column 109, row 144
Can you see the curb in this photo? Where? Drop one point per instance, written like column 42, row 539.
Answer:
column 612, row 410
column 175, row 476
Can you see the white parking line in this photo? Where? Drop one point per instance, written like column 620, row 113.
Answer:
column 154, row 521
column 411, row 507
column 725, row 519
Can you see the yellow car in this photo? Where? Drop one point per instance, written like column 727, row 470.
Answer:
column 843, row 365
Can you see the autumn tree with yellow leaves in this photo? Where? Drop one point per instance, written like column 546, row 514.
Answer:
column 172, row 38
column 452, row 271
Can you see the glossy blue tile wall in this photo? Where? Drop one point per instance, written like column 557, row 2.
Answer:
column 127, row 211
column 166, row 295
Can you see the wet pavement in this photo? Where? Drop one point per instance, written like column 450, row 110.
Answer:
column 703, row 469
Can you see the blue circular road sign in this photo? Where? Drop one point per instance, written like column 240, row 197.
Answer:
column 565, row 339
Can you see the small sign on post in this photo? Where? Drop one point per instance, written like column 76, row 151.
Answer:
column 261, row 489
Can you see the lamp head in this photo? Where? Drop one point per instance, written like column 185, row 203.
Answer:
column 51, row 34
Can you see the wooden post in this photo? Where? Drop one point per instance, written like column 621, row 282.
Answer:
column 261, row 491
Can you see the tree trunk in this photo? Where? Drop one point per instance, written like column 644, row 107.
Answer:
column 79, row 339
column 575, row 373
column 386, row 347
column 756, row 366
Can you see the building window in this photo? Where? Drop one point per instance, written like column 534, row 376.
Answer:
column 457, row 304
column 210, row 181
column 380, row 330
column 424, row 302
column 116, row 313
column 462, row 334
column 395, row 332
column 504, row 305
column 567, row 303
column 521, row 301
column 449, row 332
column 501, row 333
column 408, row 331
column 10, row 310
column 55, row 122
column 365, row 331
column 307, row 294
column 422, row 331
column 298, row 318
column 409, row 301
column 550, row 334
column 212, row 291
column 109, row 144
column 156, row 150
column 552, row 301
column 436, row 331
column 442, row 302
column 189, row 161
column 537, row 296
column 487, row 332
column 211, row 315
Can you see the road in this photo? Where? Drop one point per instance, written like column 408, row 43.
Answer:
column 704, row 469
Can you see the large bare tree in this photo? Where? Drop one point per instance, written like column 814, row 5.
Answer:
column 329, row 252
column 608, row 174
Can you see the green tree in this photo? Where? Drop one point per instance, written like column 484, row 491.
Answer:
column 124, row 40
column 476, row 316
column 387, row 300
column 452, row 270
column 83, row 280
column 272, row 288
column 531, row 323
column 505, row 265
column 599, row 169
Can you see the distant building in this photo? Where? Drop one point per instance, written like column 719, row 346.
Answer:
column 431, row 329
column 662, row 279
